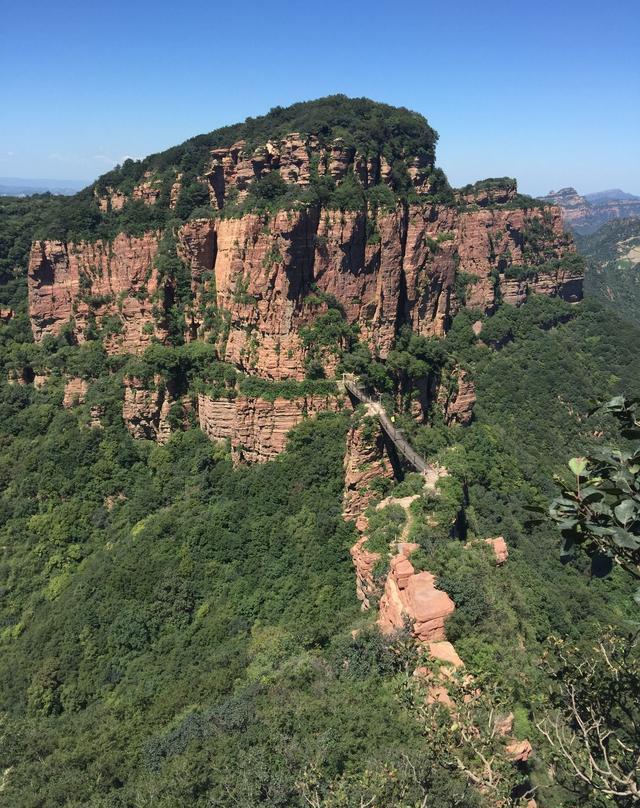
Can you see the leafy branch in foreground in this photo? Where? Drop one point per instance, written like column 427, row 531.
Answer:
column 601, row 513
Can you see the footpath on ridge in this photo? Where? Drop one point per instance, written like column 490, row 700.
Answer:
column 353, row 386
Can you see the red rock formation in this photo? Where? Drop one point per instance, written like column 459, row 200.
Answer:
column 259, row 274
column 365, row 461
column 21, row 376
column 174, row 193
column 364, row 562
column 444, row 652
column 500, row 549
column 448, row 662
column 217, row 417
column 488, row 192
column 457, row 401
column 232, row 169
column 75, row 392
column 87, row 282
column 196, row 247
column 498, row 546
column 148, row 190
column 96, row 413
column 114, row 200
column 263, row 270
column 519, row 751
column 145, row 409
column 258, row 428
column 414, row 596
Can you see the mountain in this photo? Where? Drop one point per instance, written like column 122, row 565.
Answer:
column 273, row 406
column 612, row 195
column 17, row 186
column 585, row 214
column 613, row 261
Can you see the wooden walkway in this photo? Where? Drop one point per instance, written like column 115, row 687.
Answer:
column 395, row 435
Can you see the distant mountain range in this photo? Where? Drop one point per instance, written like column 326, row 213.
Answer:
column 19, row 186
column 585, row 214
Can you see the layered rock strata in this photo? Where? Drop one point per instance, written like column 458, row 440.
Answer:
column 146, row 408
column 88, row 286
column 365, row 461
column 256, row 428
column 75, row 392
column 413, row 596
column 260, row 280
column 457, row 398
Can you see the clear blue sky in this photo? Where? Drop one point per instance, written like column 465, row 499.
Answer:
column 548, row 92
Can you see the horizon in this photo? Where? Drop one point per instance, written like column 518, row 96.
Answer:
column 502, row 105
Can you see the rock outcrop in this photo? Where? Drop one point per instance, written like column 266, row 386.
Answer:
column 365, row 461
column 412, row 596
column 364, row 562
column 500, row 549
column 146, row 408
column 488, row 192
column 585, row 214
column 575, row 208
column 75, row 392
column 257, row 428
column 295, row 156
column 457, row 398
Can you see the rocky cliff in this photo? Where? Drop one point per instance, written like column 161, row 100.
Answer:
column 280, row 247
column 259, row 280
column 297, row 158
column 93, row 286
column 585, row 214
column 256, row 428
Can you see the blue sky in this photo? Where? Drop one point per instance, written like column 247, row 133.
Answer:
column 548, row 92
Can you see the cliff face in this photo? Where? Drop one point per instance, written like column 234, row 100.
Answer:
column 412, row 594
column 93, row 285
column 146, row 408
column 365, row 461
column 257, row 428
column 575, row 208
column 255, row 280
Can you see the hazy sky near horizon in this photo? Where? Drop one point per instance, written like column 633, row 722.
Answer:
column 548, row 92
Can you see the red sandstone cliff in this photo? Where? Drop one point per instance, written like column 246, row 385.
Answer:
column 85, row 283
column 258, row 273
column 257, row 428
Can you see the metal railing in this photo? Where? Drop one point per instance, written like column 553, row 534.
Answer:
column 394, row 435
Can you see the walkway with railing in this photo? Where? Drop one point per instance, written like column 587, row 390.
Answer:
column 395, row 435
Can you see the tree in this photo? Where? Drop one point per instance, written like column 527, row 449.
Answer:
column 595, row 729
column 601, row 513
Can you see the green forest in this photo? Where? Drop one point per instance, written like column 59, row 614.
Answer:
column 179, row 632
column 613, row 257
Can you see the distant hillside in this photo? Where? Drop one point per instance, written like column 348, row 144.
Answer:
column 613, row 260
column 585, row 214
